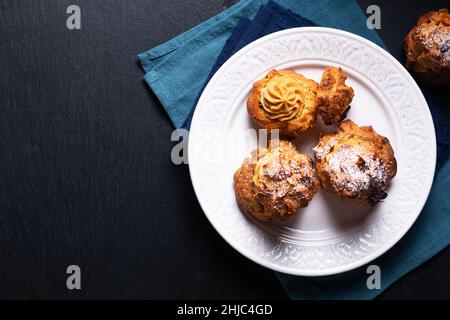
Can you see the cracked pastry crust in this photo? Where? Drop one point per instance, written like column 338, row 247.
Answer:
column 356, row 163
column 284, row 100
column 427, row 48
column 275, row 182
column 334, row 96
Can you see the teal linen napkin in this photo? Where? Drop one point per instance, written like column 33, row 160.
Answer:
column 176, row 70
column 422, row 242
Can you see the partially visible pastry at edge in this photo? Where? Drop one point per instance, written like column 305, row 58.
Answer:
column 356, row 163
column 275, row 182
column 334, row 96
column 427, row 48
column 284, row 100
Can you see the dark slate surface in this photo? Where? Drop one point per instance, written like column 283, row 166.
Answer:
column 85, row 171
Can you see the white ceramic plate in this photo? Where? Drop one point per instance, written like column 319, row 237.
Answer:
column 328, row 236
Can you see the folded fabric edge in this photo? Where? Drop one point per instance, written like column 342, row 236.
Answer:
column 159, row 51
column 145, row 61
column 154, row 83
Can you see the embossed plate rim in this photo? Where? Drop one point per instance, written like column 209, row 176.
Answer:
column 429, row 170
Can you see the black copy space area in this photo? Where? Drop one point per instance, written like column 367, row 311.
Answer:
column 85, row 170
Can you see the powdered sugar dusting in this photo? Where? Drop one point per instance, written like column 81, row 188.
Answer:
column 358, row 171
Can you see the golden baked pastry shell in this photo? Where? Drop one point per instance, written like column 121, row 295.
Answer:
column 355, row 163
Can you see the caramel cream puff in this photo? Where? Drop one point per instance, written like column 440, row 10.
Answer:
column 284, row 100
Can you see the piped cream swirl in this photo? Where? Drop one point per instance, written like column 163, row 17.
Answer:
column 282, row 98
